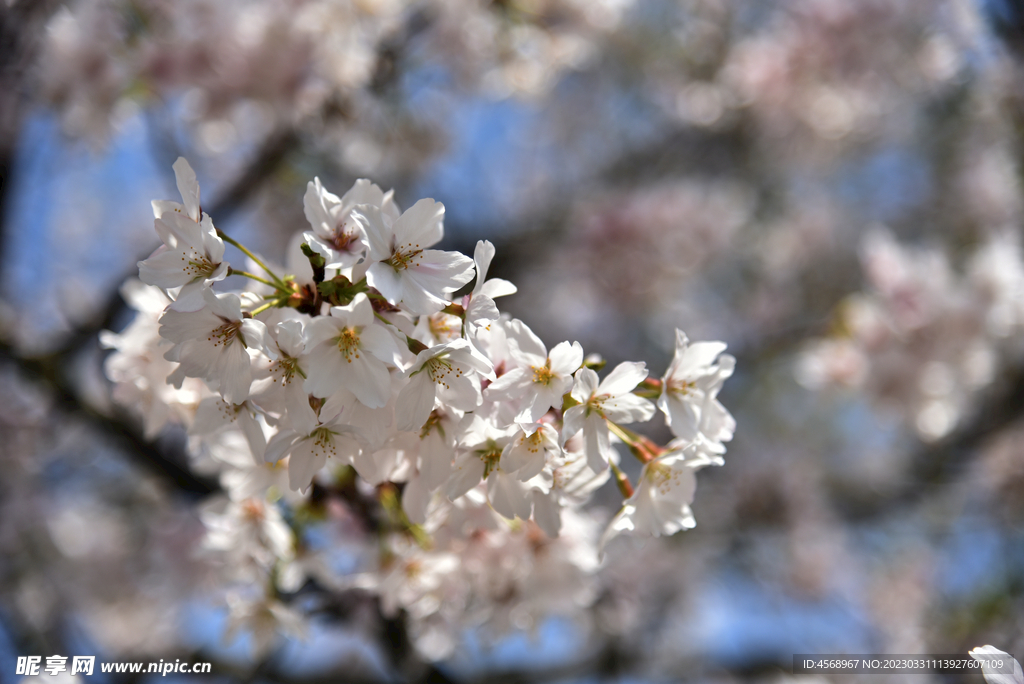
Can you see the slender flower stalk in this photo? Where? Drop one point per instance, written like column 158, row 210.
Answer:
column 259, row 262
column 622, row 481
column 251, row 276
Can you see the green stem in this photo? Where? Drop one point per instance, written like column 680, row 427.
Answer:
column 246, row 274
column 266, row 305
column 622, row 433
column 639, row 446
column 231, row 241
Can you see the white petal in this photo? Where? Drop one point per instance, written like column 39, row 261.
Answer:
column 482, row 256
column 279, row 445
column 510, row 384
column 421, row 225
column 330, row 374
column 585, row 385
column 596, row 443
column 379, row 235
column 387, row 281
column 305, row 461
column 628, row 408
column 253, row 434
column 682, row 416
column 572, row 421
column 626, row 376
column 566, row 358
column 236, row 376
column 190, row 297
column 320, row 330
column 481, row 310
column 547, row 513
column 415, row 402
column 508, row 496
column 524, row 346
column 989, row 653
column 415, row 499
column 379, row 342
column 256, row 336
column 497, row 287
column 212, row 414
column 188, row 186
column 466, row 474
column 369, row 380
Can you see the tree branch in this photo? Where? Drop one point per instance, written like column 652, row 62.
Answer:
column 164, row 459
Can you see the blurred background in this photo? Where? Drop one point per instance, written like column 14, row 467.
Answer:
column 831, row 187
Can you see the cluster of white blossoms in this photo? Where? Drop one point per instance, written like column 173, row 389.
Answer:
column 362, row 376
column 272, row 60
column 925, row 339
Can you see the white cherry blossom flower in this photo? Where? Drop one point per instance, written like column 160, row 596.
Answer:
column 438, row 328
column 572, row 483
column 266, row 619
column 609, row 400
column 481, row 310
column 350, row 351
column 374, row 425
column 689, row 391
column 541, row 379
column 192, row 255
column 535, row 445
column 434, row 446
column 402, row 268
column 660, row 504
column 481, row 447
column 446, row 371
column 337, row 235
column 250, row 532
column 278, row 387
column 243, row 479
column 309, row 445
column 211, row 344
column 191, row 258
column 414, row 580
column 138, row 369
column 215, row 414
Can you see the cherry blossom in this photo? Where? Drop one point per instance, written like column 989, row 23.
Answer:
column 191, row 257
column 540, row 379
column 476, row 447
column 337, row 235
column 448, row 372
column 351, row 351
column 536, row 445
column 309, row 445
column 660, row 504
column 609, row 400
column 689, row 391
column 402, row 267
column 212, row 344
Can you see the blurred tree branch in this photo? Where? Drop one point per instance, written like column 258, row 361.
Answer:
column 162, row 458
